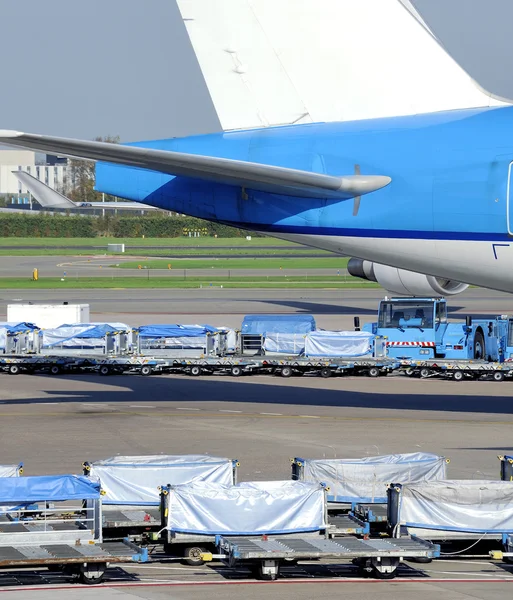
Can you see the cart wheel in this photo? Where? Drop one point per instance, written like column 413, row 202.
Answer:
column 104, row 370
column 373, row 372
column 90, row 579
column 55, row 370
column 92, row 574
column 498, row 376
column 236, row 371
column 458, row 375
column 286, row 371
column 266, row 576
column 14, row 370
column 421, row 560
column 192, row 556
column 195, row 371
column 325, row 373
column 146, row 370
column 424, row 373
column 380, row 575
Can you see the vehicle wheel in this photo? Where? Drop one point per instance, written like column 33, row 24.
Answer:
column 146, row 370
column 104, row 370
column 410, row 372
column 424, row 373
column 479, row 346
column 379, row 575
column 55, row 370
column 92, row 574
column 192, row 556
column 421, row 560
column 14, row 370
column 195, row 371
column 236, row 371
column 90, row 580
column 286, row 371
column 373, row 372
column 458, row 375
column 325, row 373
column 498, row 376
column 266, row 576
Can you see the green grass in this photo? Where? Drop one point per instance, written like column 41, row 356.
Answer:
column 240, row 263
column 54, row 283
column 186, row 242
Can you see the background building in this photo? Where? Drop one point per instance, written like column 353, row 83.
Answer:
column 52, row 172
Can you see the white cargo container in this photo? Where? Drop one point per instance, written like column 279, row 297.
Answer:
column 48, row 315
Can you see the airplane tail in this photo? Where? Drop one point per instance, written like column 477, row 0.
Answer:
column 275, row 62
column 46, row 196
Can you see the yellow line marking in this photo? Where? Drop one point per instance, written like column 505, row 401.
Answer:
column 113, row 411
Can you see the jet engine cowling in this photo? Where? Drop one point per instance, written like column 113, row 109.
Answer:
column 400, row 281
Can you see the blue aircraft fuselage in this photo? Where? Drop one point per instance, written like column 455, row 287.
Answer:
column 445, row 212
column 448, row 170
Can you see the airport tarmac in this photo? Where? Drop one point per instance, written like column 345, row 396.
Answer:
column 54, row 424
column 333, row 309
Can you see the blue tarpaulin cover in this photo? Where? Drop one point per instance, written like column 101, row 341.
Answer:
column 15, row 490
column 18, row 327
column 91, row 330
column 168, row 331
column 262, row 324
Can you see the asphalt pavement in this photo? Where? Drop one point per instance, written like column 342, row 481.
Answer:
column 54, row 424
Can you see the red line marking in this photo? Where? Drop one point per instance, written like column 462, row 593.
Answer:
column 252, row 582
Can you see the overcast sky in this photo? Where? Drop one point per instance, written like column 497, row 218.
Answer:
column 82, row 68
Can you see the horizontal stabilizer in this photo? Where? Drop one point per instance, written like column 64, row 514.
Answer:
column 254, row 176
column 49, row 198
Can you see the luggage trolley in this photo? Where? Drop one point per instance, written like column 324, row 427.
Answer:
column 55, row 521
column 131, row 487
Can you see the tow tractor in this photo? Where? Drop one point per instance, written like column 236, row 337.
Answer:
column 420, row 336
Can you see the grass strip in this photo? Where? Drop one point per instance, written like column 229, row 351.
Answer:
column 55, row 283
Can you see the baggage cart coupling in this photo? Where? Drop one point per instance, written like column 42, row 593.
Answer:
column 265, row 555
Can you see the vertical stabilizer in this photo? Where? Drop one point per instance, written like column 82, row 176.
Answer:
column 271, row 62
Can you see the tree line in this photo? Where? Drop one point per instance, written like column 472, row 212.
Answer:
column 155, row 225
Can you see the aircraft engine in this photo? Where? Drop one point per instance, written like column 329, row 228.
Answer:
column 400, row 281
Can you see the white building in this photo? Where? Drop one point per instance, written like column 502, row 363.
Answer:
column 25, row 160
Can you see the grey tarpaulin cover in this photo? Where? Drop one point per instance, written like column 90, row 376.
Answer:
column 135, row 480
column 10, row 470
column 284, row 343
column 366, row 479
column 250, row 508
column 459, row 505
column 338, row 343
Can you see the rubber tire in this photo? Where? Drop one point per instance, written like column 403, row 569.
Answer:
column 373, row 372
column 266, row 577
column 410, row 372
column 192, row 551
column 325, row 373
column 479, row 339
column 14, row 370
column 83, row 578
column 379, row 575
column 146, row 371
column 498, row 376
column 286, row 372
column 236, row 371
column 458, row 376
column 421, row 560
column 55, row 370
column 104, row 371
column 195, row 371
column 424, row 373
